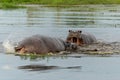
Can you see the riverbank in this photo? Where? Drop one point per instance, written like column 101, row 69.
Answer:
column 14, row 3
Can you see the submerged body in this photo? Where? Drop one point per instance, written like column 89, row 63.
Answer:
column 41, row 44
column 80, row 38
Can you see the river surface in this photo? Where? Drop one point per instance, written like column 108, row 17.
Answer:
column 101, row 20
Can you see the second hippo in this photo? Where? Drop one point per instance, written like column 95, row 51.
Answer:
column 80, row 38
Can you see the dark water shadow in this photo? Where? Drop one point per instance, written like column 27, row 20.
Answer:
column 40, row 67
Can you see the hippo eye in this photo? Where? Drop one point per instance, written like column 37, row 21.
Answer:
column 17, row 49
column 80, row 31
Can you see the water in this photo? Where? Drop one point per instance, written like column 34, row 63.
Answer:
column 101, row 20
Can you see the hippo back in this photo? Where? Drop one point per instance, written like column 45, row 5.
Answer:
column 88, row 38
column 41, row 44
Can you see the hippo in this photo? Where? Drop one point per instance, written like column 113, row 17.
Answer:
column 41, row 44
column 80, row 38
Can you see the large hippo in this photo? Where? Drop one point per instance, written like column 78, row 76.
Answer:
column 80, row 38
column 41, row 44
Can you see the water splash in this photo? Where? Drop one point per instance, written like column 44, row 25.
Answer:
column 12, row 41
column 6, row 67
column 8, row 46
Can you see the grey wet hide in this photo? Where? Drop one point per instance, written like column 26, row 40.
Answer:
column 40, row 44
column 88, row 38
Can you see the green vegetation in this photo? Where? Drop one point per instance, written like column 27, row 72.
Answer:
column 13, row 3
column 33, row 57
column 9, row 5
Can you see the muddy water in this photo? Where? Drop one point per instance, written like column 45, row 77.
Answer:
column 101, row 20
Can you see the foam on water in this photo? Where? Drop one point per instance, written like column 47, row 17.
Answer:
column 11, row 41
column 9, row 47
column 6, row 67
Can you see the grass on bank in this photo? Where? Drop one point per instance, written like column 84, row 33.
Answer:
column 9, row 6
column 14, row 3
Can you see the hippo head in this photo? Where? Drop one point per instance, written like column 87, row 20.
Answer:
column 74, row 33
column 20, row 49
column 74, row 36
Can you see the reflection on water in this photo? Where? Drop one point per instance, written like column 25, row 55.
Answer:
column 76, row 16
column 44, row 67
column 101, row 20
column 38, row 67
column 33, row 57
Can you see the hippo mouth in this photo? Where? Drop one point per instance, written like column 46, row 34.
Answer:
column 20, row 49
column 17, row 49
column 74, row 39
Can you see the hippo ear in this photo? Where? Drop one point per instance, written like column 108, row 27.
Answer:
column 80, row 31
column 70, row 30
